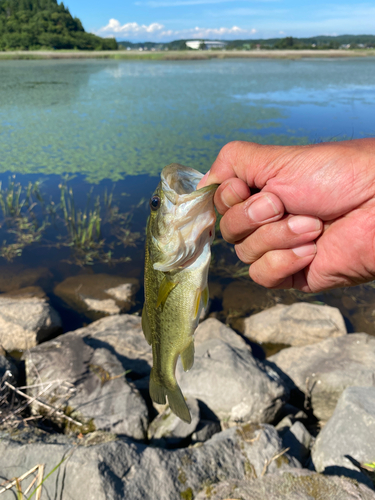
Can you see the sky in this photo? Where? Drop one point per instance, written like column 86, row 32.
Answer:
column 166, row 20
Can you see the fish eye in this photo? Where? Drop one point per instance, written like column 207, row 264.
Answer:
column 155, row 202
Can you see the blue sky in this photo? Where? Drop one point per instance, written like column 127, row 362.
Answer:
column 166, row 20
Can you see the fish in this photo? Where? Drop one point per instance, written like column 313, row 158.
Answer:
column 179, row 234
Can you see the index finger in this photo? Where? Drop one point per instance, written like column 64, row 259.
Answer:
column 253, row 163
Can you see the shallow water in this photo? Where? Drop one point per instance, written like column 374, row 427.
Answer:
column 113, row 125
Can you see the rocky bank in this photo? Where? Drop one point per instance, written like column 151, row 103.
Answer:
column 298, row 425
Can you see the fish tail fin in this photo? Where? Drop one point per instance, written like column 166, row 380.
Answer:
column 176, row 400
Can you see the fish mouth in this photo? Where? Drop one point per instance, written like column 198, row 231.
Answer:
column 191, row 217
column 178, row 180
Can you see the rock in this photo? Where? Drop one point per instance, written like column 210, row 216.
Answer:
column 298, row 324
column 119, row 468
column 298, row 439
column 325, row 369
column 98, row 294
column 15, row 277
column 123, row 335
column 7, row 369
column 232, row 383
column 296, row 484
column 26, row 321
column 212, row 328
column 348, row 438
column 90, row 382
column 205, row 430
column 167, row 430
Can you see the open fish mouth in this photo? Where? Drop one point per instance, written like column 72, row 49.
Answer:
column 188, row 217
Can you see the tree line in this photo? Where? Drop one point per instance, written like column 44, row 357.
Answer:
column 45, row 24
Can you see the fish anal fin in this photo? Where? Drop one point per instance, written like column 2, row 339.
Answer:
column 146, row 326
column 187, row 356
column 165, row 289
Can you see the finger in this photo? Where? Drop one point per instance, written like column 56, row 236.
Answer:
column 251, row 162
column 244, row 218
column 297, row 281
column 230, row 193
column 290, row 232
column 274, row 267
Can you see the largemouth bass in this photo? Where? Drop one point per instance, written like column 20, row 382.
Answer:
column 179, row 234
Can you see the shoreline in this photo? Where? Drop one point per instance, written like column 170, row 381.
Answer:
column 184, row 55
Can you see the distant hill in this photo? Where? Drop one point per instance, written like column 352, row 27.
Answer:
column 317, row 42
column 45, row 24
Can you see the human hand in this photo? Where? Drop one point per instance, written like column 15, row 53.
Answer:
column 312, row 225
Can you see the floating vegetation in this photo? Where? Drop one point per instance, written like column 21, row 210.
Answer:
column 92, row 232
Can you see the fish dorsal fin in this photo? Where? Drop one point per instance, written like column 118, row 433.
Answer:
column 146, row 326
column 187, row 356
column 165, row 289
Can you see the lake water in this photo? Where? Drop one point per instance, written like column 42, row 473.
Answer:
column 106, row 129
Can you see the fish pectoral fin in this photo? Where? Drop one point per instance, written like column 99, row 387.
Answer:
column 165, row 289
column 205, row 297
column 146, row 326
column 201, row 298
column 187, row 356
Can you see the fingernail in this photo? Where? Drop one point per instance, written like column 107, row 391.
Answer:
column 262, row 209
column 300, row 224
column 305, row 250
column 205, row 176
column 229, row 197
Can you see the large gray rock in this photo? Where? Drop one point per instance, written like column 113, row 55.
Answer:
column 98, row 294
column 123, row 335
column 298, row 324
column 324, row 370
column 232, row 383
column 26, row 321
column 90, row 382
column 348, row 438
column 168, row 430
column 296, row 484
column 212, row 328
column 119, row 469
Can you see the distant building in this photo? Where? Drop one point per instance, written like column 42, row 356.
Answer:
column 208, row 44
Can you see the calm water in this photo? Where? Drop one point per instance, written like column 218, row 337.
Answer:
column 112, row 126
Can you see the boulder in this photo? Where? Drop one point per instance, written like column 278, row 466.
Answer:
column 167, row 430
column 102, row 466
column 322, row 371
column 296, row 325
column 123, row 335
column 87, row 383
column 298, row 440
column 25, row 321
column 234, row 385
column 205, row 430
column 98, row 294
column 348, row 438
column 296, row 484
column 212, row 328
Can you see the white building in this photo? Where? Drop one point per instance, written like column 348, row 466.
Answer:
column 208, row 44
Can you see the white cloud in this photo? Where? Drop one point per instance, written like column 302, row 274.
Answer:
column 156, row 32
column 114, row 28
